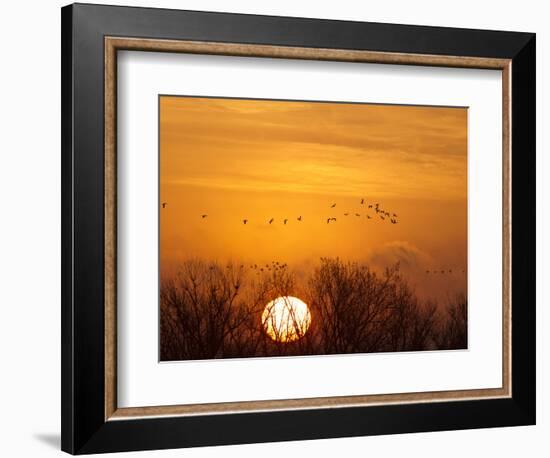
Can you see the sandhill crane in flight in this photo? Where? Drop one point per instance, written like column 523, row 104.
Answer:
column 245, row 221
column 164, row 205
column 333, row 205
column 395, row 215
column 284, row 221
column 393, row 221
column 357, row 214
column 368, row 216
column 299, row 218
column 370, row 206
column 271, row 220
column 203, row 216
column 362, row 201
column 346, row 214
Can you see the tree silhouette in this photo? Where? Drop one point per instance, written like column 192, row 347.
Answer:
column 209, row 310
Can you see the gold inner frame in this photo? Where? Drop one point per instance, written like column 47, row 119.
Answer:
column 114, row 44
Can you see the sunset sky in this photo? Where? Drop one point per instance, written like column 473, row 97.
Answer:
column 236, row 159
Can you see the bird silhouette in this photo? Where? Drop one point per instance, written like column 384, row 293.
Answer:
column 328, row 220
column 346, row 214
column 299, row 218
column 393, row 221
column 285, row 220
column 395, row 215
column 382, row 218
column 357, row 214
column 203, row 216
column 245, row 221
column 370, row 206
column 271, row 220
column 362, row 201
column 368, row 217
column 427, row 271
column 333, row 205
column 164, row 205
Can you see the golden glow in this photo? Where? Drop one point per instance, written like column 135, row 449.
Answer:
column 258, row 160
column 286, row 319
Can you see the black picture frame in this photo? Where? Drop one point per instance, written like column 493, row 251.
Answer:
column 84, row 428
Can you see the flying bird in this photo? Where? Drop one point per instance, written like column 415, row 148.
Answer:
column 299, row 218
column 333, row 205
column 271, row 220
column 284, row 221
column 203, row 216
column 368, row 217
column 346, row 214
column 370, row 206
column 245, row 221
column 395, row 215
column 362, row 201
column 381, row 217
column 357, row 214
column 164, row 205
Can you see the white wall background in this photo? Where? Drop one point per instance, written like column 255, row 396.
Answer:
column 30, row 226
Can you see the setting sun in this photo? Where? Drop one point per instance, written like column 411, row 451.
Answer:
column 286, row 319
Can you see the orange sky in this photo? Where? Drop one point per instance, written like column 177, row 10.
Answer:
column 260, row 159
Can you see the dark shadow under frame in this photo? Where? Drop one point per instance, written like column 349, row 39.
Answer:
column 90, row 420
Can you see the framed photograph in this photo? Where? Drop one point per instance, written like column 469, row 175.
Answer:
column 282, row 228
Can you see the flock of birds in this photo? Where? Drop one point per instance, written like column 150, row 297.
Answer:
column 444, row 271
column 384, row 215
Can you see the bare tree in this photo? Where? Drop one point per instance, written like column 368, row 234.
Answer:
column 208, row 310
column 453, row 332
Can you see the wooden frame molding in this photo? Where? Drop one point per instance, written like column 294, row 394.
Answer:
column 112, row 45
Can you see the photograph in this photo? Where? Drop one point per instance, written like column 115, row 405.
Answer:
column 298, row 228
